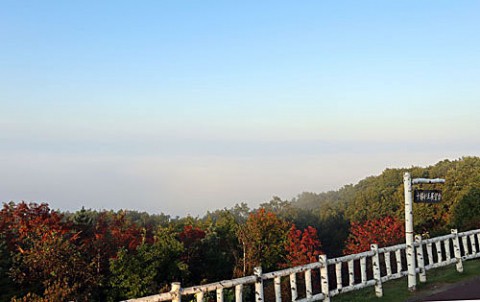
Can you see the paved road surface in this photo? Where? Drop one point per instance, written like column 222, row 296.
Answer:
column 467, row 290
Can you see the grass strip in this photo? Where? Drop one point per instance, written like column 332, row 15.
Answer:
column 397, row 290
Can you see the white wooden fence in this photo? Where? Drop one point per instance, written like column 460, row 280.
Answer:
column 332, row 277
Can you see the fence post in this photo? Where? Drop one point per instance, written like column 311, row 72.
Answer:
column 420, row 259
column 456, row 249
column 465, row 245
column 308, row 284
column 376, row 271
column 219, row 294
column 324, row 278
column 257, row 271
column 351, row 276
column 199, row 297
column 478, row 239
column 338, row 274
column 293, row 286
column 472, row 243
column 446, row 244
column 278, row 289
column 398, row 258
column 363, row 269
column 388, row 263
column 239, row 293
column 175, row 291
column 430, row 253
column 438, row 246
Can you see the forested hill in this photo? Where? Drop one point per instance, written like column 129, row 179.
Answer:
column 114, row 256
column 379, row 196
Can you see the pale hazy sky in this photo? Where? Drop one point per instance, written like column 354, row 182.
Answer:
column 186, row 106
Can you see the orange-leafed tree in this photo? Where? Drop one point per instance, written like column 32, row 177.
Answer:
column 384, row 232
column 19, row 223
column 46, row 263
column 263, row 238
column 302, row 247
column 106, row 236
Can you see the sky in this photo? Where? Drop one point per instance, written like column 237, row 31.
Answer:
column 183, row 107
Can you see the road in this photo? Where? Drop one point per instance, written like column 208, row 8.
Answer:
column 463, row 291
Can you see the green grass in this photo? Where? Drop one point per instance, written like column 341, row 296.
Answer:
column 397, row 290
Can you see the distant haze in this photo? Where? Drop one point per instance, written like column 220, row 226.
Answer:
column 183, row 107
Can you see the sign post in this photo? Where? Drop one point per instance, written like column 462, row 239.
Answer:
column 429, row 196
column 412, row 278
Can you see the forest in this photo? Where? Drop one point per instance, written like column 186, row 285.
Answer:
column 100, row 255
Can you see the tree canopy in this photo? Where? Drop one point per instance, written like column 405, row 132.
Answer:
column 92, row 255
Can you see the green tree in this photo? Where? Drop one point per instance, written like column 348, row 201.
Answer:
column 221, row 249
column 467, row 211
column 148, row 269
column 263, row 238
column 281, row 208
column 7, row 287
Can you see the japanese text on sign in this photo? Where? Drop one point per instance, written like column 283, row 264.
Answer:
column 427, row 196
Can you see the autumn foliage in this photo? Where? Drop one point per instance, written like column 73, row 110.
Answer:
column 302, row 247
column 20, row 223
column 57, row 259
column 263, row 240
column 109, row 256
column 191, row 235
column 384, row 232
column 45, row 257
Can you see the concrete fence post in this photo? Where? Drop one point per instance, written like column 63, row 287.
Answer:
column 351, row 275
column 420, row 259
column 176, row 295
column 239, row 293
column 472, row 244
column 257, row 271
column 456, row 250
column 430, row 253
column 398, row 258
column 199, row 297
column 308, row 284
column 363, row 269
column 324, row 278
column 388, row 263
column 293, row 286
column 278, row 289
column 376, row 271
column 338, row 275
column 219, row 294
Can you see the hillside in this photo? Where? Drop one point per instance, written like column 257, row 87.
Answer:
column 382, row 195
column 118, row 255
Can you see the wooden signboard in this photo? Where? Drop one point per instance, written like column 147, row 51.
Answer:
column 427, row 196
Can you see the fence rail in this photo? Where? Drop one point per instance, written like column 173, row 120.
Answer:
column 330, row 277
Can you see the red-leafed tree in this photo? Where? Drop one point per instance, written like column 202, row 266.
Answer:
column 118, row 232
column 52, row 260
column 45, row 260
column 302, row 248
column 110, row 233
column 20, row 223
column 384, row 232
column 193, row 253
column 191, row 235
column 191, row 238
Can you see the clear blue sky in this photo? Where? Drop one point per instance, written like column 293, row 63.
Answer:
column 187, row 106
